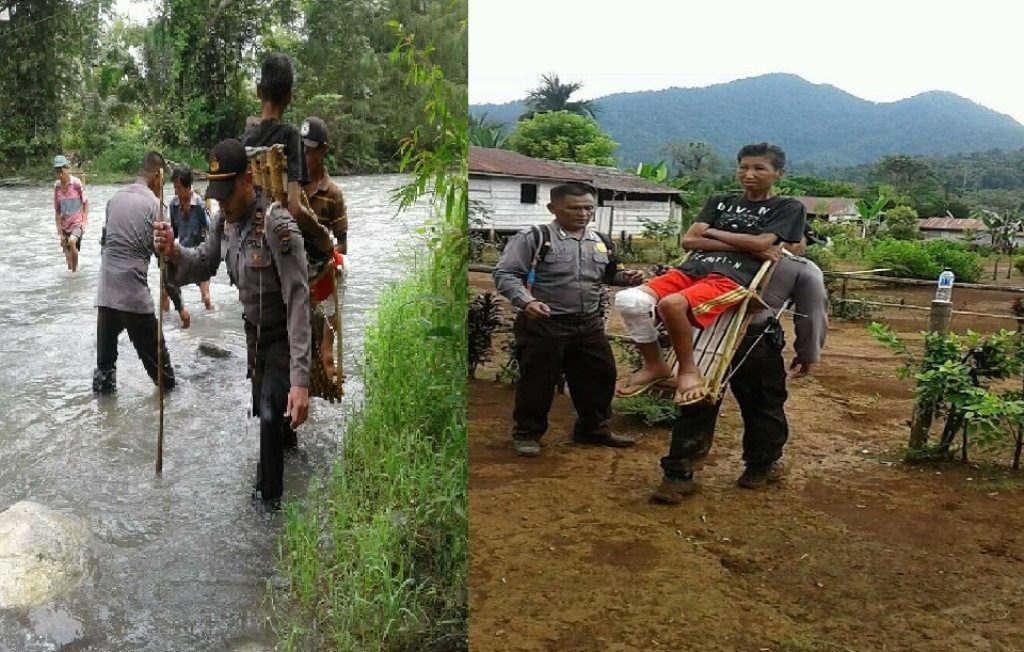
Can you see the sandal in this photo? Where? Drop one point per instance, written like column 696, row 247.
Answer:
column 627, row 389
column 693, row 400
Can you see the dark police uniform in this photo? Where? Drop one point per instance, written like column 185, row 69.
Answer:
column 758, row 379
column 572, row 340
column 266, row 261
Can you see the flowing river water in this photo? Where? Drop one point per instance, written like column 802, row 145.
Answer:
column 182, row 561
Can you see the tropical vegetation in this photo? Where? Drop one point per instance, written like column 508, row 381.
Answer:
column 102, row 89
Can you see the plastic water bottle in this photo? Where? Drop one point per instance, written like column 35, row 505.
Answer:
column 944, row 291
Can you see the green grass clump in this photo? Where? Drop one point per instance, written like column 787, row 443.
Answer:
column 376, row 557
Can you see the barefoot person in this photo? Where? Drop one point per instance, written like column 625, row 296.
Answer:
column 190, row 223
column 71, row 209
column 732, row 236
column 758, row 381
column 559, row 328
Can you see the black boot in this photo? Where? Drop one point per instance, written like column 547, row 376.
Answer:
column 104, row 382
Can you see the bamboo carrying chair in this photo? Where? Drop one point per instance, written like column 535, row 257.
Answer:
column 269, row 167
column 715, row 346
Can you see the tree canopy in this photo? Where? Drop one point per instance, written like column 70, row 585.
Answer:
column 87, row 83
column 553, row 95
column 563, row 136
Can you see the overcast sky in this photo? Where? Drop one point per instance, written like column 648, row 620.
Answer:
column 880, row 50
column 138, row 11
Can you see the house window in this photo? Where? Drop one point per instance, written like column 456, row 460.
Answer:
column 527, row 193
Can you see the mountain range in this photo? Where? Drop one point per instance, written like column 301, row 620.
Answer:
column 816, row 124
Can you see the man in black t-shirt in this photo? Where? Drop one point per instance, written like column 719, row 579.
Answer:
column 731, row 238
column 275, row 92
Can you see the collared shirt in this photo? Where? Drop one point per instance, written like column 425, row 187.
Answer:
column 800, row 280
column 568, row 279
column 328, row 204
column 266, row 260
column 190, row 229
column 126, row 247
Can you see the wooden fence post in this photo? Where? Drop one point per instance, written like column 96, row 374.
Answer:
column 924, row 412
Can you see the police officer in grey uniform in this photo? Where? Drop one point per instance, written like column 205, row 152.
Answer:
column 266, row 261
column 758, row 381
column 554, row 276
column 123, row 300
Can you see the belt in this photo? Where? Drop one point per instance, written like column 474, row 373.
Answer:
column 576, row 317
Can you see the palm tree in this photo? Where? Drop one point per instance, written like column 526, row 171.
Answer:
column 485, row 133
column 553, row 95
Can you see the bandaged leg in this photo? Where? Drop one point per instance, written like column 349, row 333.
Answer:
column 636, row 306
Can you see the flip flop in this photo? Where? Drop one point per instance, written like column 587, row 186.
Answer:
column 626, row 390
column 700, row 397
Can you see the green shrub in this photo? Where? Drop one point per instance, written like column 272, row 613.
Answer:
column 907, row 259
column 966, row 264
column 1018, row 263
column 822, row 256
column 926, row 259
column 901, row 223
column 850, row 246
column 124, row 151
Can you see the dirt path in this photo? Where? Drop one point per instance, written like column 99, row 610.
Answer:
column 854, row 551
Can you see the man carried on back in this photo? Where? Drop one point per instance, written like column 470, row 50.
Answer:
column 266, row 261
column 732, row 237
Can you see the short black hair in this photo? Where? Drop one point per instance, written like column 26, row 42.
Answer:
column 152, row 163
column 573, row 189
column 774, row 152
column 183, row 174
column 276, row 78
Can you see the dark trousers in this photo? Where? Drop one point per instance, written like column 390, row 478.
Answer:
column 142, row 329
column 173, row 291
column 269, row 367
column 758, row 382
column 547, row 348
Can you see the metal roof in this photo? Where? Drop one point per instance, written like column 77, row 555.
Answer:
column 503, row 162
column 950, row 224
column 835, row 205
column 606, row 178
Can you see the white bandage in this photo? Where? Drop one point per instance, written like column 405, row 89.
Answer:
column 637, row 310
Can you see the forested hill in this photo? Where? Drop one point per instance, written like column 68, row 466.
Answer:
column 815, row 123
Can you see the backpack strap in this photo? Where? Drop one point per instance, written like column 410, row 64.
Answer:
column 542, row 245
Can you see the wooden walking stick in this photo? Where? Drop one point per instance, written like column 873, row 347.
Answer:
column 160, row 343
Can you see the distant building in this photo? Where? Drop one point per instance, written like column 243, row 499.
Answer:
column 509, row 192
column 831, row 209
column 953, row 228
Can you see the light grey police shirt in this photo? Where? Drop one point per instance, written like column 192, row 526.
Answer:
column 126, row 248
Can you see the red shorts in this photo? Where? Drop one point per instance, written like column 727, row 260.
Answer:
column 324, row 287
column 708, row 297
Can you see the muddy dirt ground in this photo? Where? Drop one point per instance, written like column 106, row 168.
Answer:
column 854, row 551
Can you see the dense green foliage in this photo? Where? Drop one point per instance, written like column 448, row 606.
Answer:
column 816, row 123
column 102, row 90
column 901, row 224
column 45, row 46
column 926, row 259
column 377, row 555
column 563, row 136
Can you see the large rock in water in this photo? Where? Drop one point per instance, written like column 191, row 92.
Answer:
column 42, row 554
